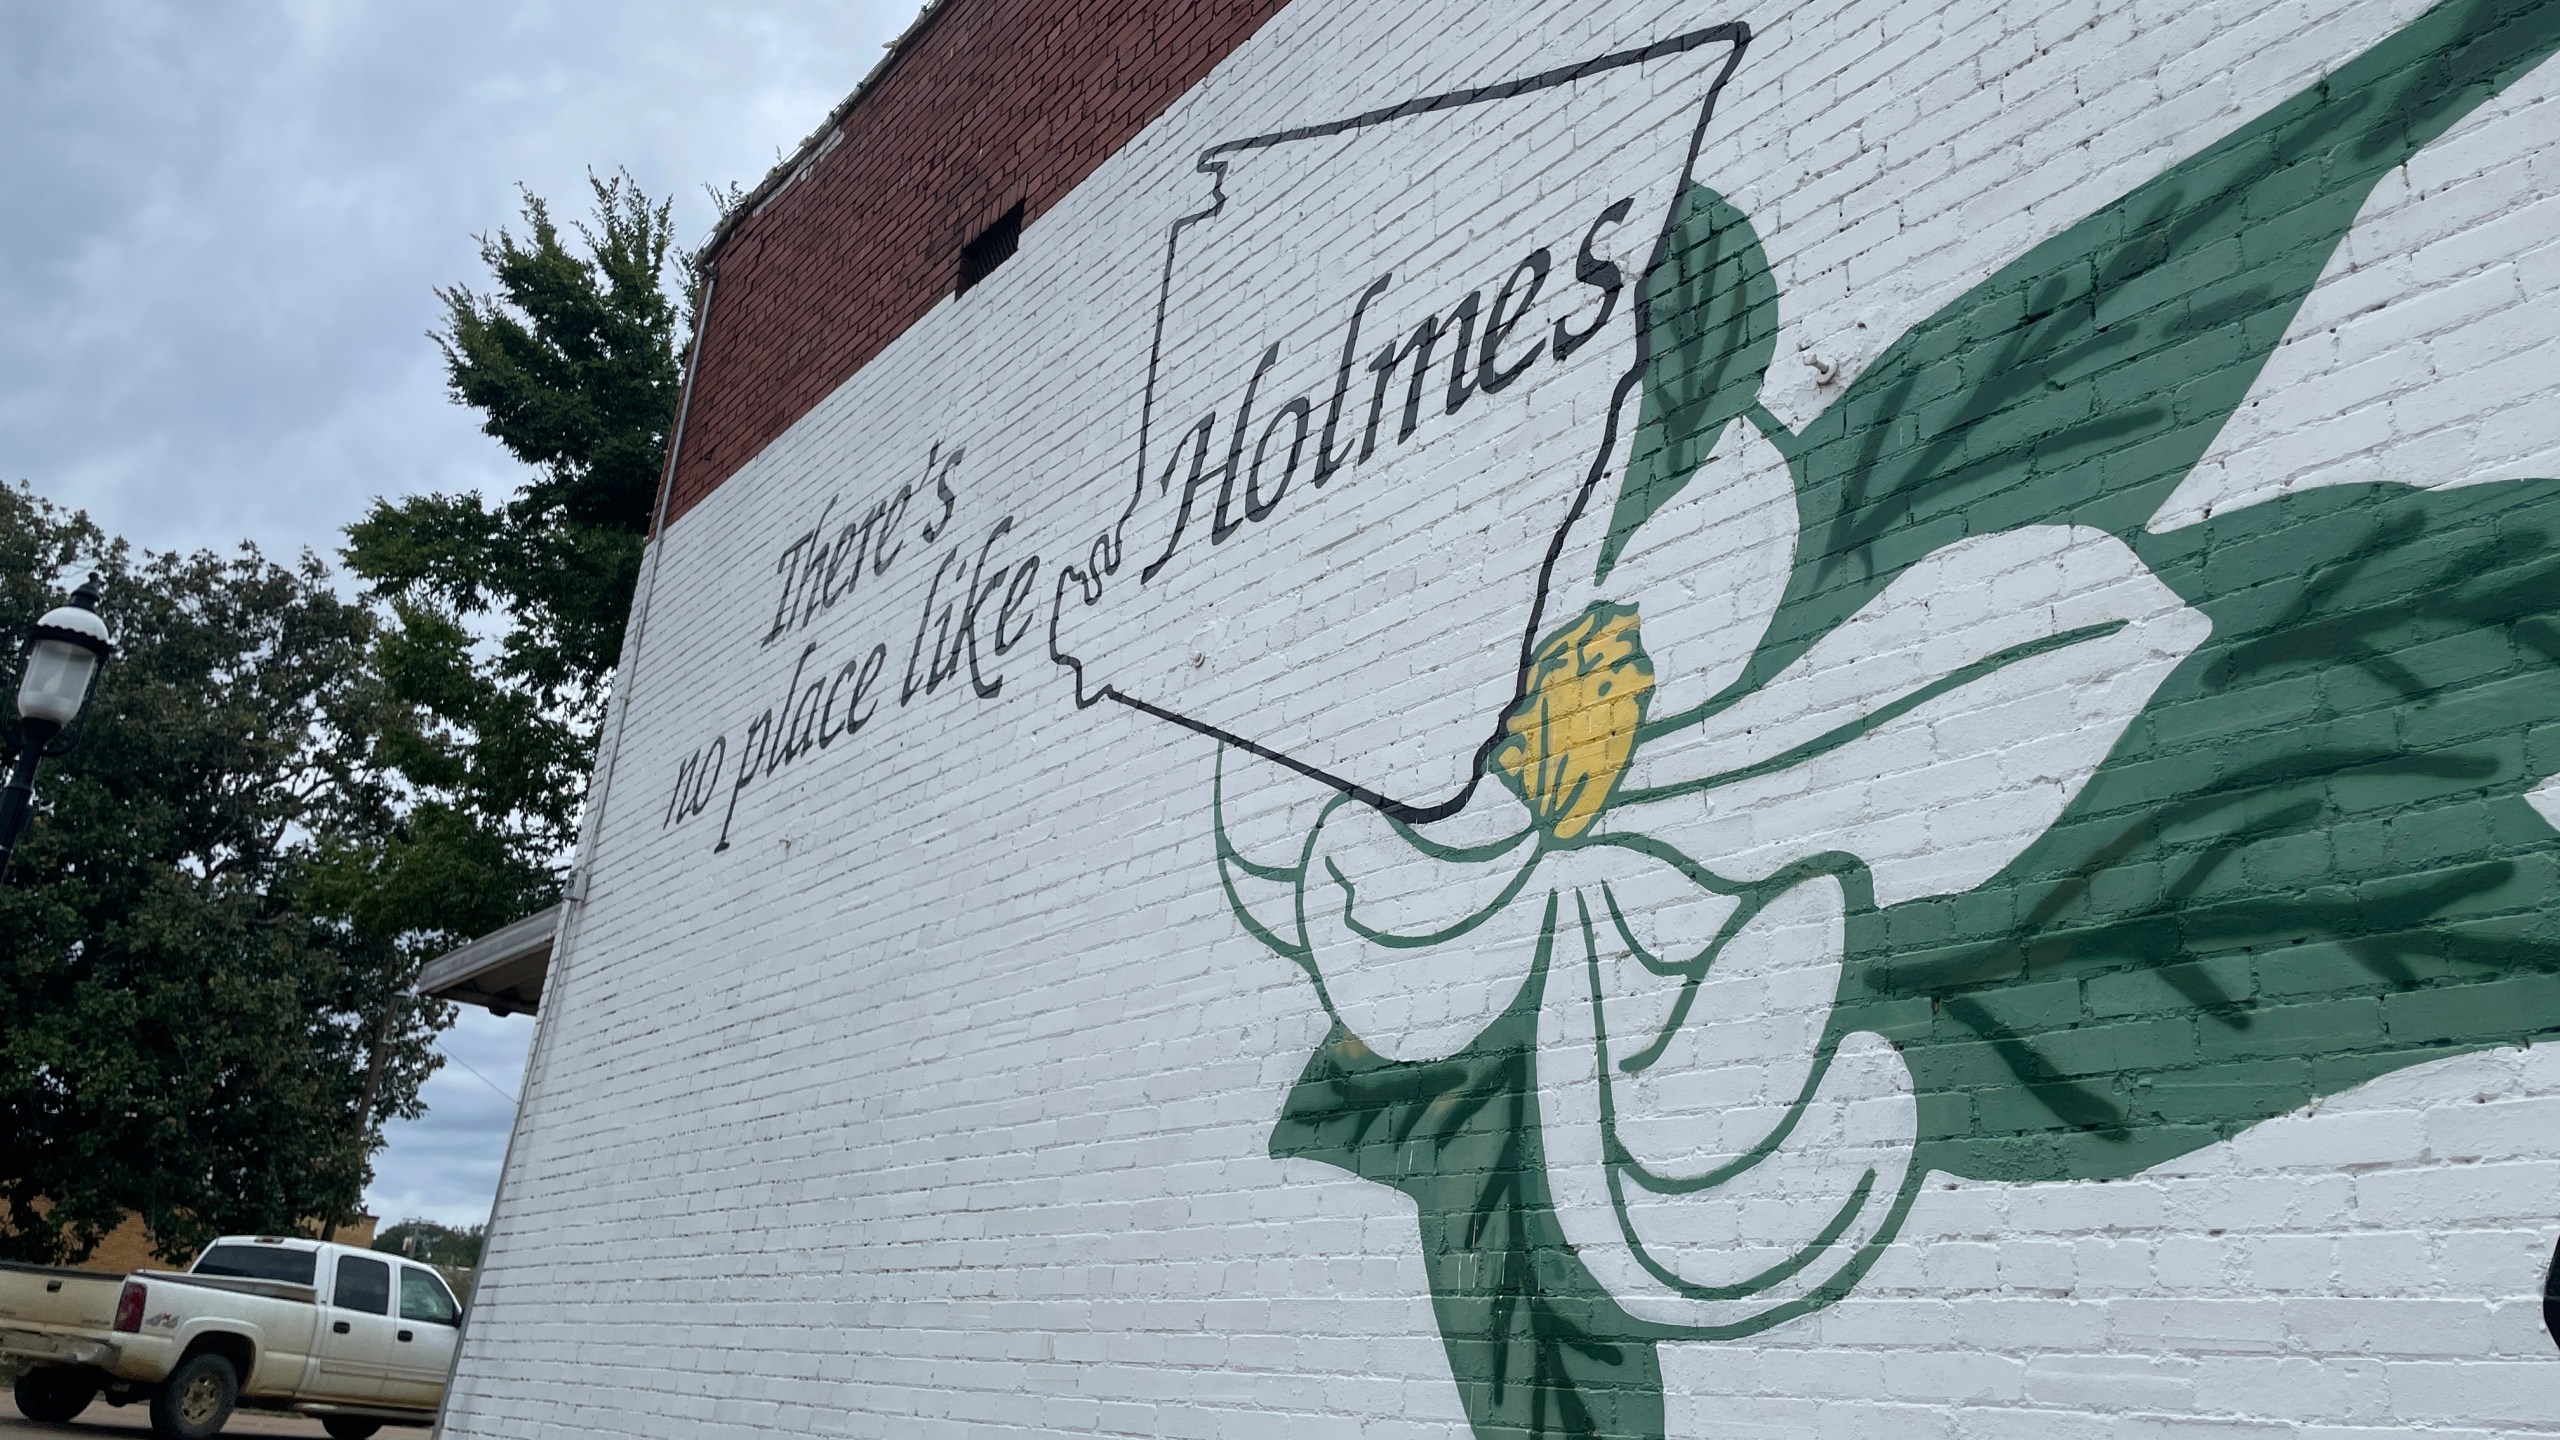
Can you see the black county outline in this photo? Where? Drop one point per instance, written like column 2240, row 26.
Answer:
column 1106, row 549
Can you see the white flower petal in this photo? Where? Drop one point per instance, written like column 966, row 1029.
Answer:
column 1267, row 905
column 1844, row 1166
column 1704, row 572
column 1781, row 1226
column 1938, row 796
column 1263, row 809
column 1651, row 927
column 1420, row 948
column 1699, row 1084
column 1262, row 814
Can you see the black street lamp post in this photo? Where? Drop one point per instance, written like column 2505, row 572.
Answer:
column 63, row 653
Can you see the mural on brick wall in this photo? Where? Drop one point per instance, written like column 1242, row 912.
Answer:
column 1903, row 794
column 1699, row 829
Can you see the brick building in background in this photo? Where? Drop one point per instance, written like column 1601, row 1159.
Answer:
column 1624, row 719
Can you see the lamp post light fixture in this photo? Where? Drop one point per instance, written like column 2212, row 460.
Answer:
column 63, row 652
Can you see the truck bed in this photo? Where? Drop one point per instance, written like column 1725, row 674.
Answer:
column 236, row 1284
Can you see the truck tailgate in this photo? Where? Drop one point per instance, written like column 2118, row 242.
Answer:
column 44, row 1297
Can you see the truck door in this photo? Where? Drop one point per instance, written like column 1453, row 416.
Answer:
column 354, row 1345
column 422, row 1345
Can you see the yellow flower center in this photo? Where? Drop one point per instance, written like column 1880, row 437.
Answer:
column 1569, row 741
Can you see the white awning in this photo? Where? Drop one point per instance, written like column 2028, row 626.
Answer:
column 501, row 971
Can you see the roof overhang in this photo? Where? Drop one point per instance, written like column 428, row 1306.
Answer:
column 501, row 972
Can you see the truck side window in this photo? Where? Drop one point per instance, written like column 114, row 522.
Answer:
column 363, row 1285
column 423, row 1298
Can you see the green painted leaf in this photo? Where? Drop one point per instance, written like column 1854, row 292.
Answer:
column 1538, row 1349
column 1708, row 315
column 2081, row 383
column 2309, row 863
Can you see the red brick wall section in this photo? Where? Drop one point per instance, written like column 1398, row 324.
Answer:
column 996, row 101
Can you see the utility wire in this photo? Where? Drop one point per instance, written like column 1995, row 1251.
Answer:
column 476, row 1075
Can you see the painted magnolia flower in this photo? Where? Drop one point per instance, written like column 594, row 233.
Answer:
column 1671, row 843
column 1989, row 759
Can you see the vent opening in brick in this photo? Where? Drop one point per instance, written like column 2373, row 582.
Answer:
column 990, row 248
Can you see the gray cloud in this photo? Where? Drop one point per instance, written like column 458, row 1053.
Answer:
column 226, row 223
column 444, row 1165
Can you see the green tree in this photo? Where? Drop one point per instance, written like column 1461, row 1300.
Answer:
column 434, row 1244
column 505, row 618
column 190, row 1009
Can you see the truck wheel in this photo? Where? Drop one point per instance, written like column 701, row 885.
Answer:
column 52, row 1395
column 350, row 1427
column 196, row 1399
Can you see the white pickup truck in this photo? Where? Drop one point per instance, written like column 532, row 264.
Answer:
column 356, row 1338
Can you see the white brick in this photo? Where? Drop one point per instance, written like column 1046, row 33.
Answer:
column 940, row 1102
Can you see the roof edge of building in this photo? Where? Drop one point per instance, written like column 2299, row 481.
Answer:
column 804, row 156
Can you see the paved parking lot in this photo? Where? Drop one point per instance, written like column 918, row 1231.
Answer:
column 103, row 1419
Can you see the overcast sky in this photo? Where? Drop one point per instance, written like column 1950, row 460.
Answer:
column 444, row 1166
column 225, row 223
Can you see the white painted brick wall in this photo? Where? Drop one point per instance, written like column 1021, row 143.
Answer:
column 938, row 1104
